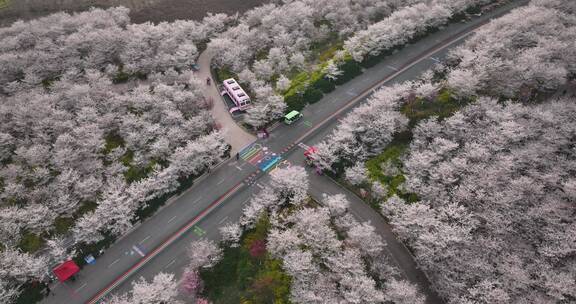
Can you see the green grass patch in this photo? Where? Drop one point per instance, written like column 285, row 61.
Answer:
column 392, row 155
column 123, row 76
column 262, row 54
column 30, row 242
column 135, row 173
column 47, row 83
column 325, row 49
column 328, row 51
column 224, row 73
column 85, row 207
column 62, row 225
column 242, row 276
column 387, row 167
column 297, row 84
column 444, row 105
column 112, row 141
column 127, row 158
column 4, row 4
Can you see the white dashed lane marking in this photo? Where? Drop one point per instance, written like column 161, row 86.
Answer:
column 144, row 240
column 115, row 261
column 171, row 219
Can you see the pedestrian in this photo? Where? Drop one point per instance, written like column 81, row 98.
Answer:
column 237, row 156
column 265, row 132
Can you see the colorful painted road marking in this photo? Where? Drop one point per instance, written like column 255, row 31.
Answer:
column 249, row 151
column 139, row 250
column 260, row 157
column 270, row 162
column 307, row 123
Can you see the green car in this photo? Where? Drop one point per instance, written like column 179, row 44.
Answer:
column 292, row 117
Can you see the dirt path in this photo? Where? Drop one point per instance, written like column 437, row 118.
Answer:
column 233, row 134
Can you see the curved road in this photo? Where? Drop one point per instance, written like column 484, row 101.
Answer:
column 159, row 244
column 233, row 134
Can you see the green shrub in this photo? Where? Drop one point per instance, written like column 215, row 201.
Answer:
column 294, row 102
column 312, row 95
column 474, row 9
column 85, row 207
column 135, row 173
column 224, row 73
column 30, row 242
column 112, row 141
column 31, row 292
column 121, row 77
column 457, row 17
column 324, row 85
column 62, row 225
column 241, row 278
column 47, row 83
column 370, row 61
column 94, row 249
column 297, row 84
column 350, row 69
column 444, row 105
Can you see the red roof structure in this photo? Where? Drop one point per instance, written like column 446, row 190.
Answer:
column 65, row 270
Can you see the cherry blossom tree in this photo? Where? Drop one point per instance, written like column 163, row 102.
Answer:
column 337, row 204
column 21, row 266
column 283, row 83
column 397, row 29
column 332, row 71
column 291, row 184
column 203, row 254
column 517, row 52
column 487, row 177
column 191, row 283
column 364, row 237
column 402, row 292
column 356, row 174
column 7, row 293
column 231, row 233
column 163, row 289
column 367, row 129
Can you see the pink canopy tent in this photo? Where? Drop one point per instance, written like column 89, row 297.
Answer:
column 65, row 270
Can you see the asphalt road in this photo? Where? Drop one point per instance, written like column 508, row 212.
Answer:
column 159, row 244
